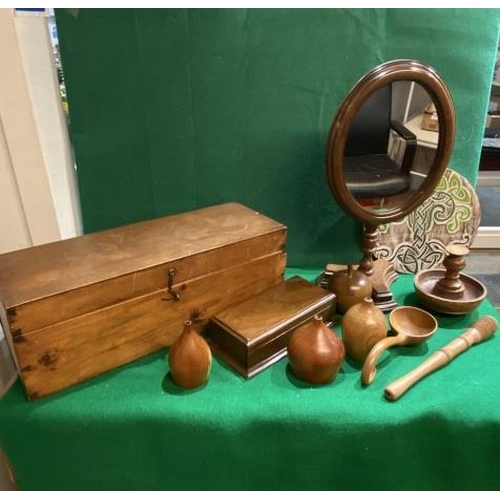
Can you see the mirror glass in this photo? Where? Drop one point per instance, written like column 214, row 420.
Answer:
column 390, row 141
column 391, row 146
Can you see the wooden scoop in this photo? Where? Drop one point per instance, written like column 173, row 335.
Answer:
column 412, row 326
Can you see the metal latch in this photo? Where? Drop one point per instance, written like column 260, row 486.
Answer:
column 173, row 295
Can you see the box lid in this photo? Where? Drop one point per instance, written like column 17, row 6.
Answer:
column 273, row 311
column 45, row 270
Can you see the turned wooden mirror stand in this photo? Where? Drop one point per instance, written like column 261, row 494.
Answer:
column 388, row 147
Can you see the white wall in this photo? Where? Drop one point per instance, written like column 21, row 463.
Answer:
column 38, row 194
column 50, row 120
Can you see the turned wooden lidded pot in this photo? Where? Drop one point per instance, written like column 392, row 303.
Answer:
column 189, row 358
column 315, row 353
column 363, row 325
column 350, row 286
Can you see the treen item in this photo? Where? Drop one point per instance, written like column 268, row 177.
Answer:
column 450, row 291
column 411, row 325
column 253, row 334
column 363, row 325
column 189, row 358
column 350, row 286
column 315, row 352
column 76, row 308
column 482, row 329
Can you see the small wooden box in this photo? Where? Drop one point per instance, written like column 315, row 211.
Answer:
column 253, row 334
column 76, row 308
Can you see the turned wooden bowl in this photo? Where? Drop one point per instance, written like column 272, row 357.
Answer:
column 433, row 297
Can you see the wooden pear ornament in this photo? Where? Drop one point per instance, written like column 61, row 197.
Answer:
column 315, row 353
column 189, row 358
column 363, row 325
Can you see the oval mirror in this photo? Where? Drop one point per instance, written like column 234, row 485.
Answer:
column 388, row 147
column 390, row 141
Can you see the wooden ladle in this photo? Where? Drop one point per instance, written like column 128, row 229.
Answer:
column 412, row 326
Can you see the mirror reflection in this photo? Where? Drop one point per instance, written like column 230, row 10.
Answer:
column 391, row 146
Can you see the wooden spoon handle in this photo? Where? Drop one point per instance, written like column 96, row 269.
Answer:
column 480, row 330
column 369, row 366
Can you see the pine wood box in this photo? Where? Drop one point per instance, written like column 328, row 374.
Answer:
column 254, row 334
column 75, row 308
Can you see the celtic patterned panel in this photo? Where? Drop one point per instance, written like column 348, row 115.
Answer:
column 450, row 215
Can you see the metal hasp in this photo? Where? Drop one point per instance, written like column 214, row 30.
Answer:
column 174, row 295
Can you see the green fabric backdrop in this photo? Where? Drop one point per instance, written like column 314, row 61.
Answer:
column 126, row 429
column 175, row 109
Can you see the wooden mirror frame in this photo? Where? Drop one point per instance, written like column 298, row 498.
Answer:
column 384, row 74
column 381, row 272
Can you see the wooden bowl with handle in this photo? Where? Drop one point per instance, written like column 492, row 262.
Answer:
column 412, row 326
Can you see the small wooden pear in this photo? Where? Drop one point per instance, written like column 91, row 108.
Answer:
column 350, row 286
column 315, row 352
column 363, row 325
column 189, row 358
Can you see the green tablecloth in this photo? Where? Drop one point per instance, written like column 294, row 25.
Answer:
column 129, row 430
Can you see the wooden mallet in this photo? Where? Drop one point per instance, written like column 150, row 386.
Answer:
column 482, row 329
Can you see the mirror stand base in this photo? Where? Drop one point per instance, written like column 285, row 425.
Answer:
column 382, row 277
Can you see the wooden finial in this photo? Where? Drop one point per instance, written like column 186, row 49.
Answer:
column 454, row 262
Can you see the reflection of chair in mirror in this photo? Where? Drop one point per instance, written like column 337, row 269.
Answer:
column 370, row 172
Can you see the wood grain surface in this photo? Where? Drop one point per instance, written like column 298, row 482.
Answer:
column 76, row 308
column 41, row 271
column 82, row 300
column 252, row 334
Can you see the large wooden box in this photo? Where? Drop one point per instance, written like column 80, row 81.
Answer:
column 254, row 334
column 76, row 308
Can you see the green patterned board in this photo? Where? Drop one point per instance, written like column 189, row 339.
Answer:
column 450, row 215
